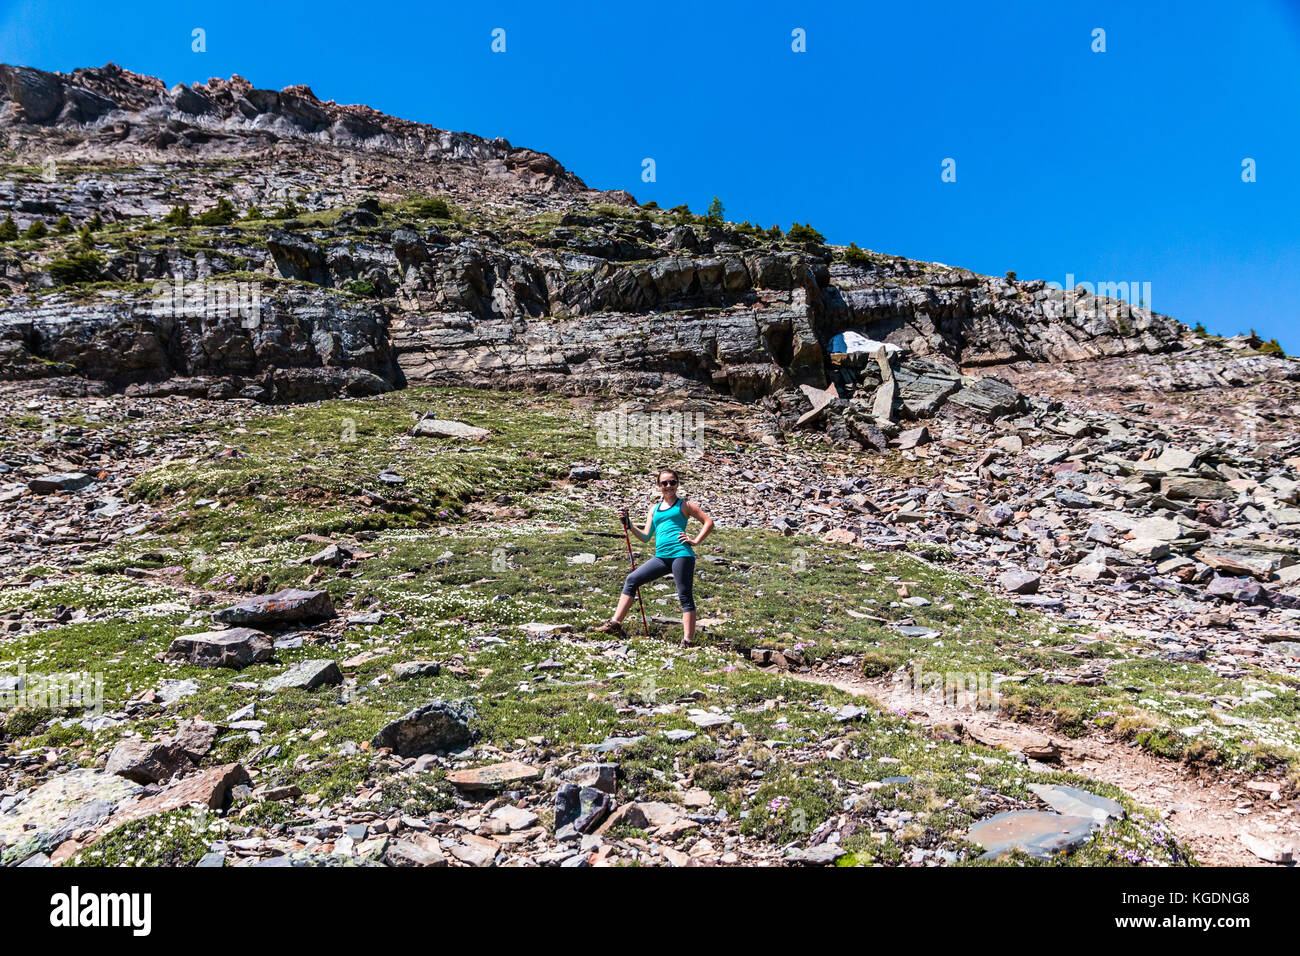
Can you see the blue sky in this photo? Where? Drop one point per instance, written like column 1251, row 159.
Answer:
column 1117, row 166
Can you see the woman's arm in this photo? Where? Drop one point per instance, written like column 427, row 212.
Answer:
column 638, row 533
column 644, row 533
column 693, row 511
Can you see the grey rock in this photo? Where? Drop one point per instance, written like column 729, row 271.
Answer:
column 428, row 427
column 51, row 484
column 417, row 851
column 170, row 691
column 437, row 726
column 822, row 854
column 610, row 744
column 331, row 556
column 1019, row 582
column 195, row 737
column 1175, row 459
column 1157, row 529
column 306, row 675
column 582, row 808
column 1098, row 533
column 601, row 776
column 1040, row 601
column 1240, row 590
column 1148, row 548
column 915, row 630
column 913, row 437
column 236, row 648
column 514, row 817
column 882, row 405
column 999, row 515
column 289, row 606
column 148, row 761
column 1180, row 488
column 1072, row 499
column 1072, row 801
column 989, row 398
column 297, row 257
column 409, row 669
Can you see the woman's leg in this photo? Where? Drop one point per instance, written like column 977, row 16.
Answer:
column 684, row 578
column 688, row 628
column 650, row 571
column 620, row 612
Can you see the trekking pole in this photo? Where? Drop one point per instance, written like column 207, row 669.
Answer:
column 628, row 538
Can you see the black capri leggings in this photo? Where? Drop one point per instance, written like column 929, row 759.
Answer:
column 682, row 570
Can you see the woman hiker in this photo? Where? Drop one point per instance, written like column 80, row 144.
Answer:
column 674, row 554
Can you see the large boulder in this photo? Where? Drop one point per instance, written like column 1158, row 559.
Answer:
column 417, row 850
column 52, row 484
column 428, row 427
column 988, row 398
column 290, row 606
column 209, row 788
column 583, row 808
column 1177, row 488
column 409, row 248
column 496, row 776
column 924, row 386
column 195, row 737
column 438, row 726
column 235, row 648
column 306, row 675
column 148, row 761
column 1019, row 582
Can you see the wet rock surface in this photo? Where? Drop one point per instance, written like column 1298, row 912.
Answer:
column 1033, row 832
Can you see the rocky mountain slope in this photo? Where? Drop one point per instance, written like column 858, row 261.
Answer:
column 516, row 276
column 234, row 327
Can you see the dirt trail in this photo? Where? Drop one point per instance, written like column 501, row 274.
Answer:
column 1200, row 808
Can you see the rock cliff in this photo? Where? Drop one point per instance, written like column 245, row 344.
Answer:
column 222, row 240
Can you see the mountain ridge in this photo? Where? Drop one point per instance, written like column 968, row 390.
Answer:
column 401, row 253
column 131, row 111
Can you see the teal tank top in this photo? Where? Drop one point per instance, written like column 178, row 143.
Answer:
column 667, row 525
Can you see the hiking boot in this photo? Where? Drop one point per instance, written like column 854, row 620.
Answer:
column 610, row 627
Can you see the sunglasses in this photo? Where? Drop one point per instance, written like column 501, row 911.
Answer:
column 667, row 483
